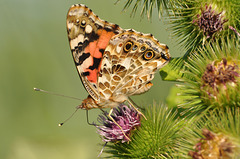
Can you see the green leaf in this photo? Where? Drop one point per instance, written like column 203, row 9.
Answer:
column 173, row 70
column 174, row 98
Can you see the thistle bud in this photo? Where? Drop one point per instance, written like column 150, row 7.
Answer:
column 197, row 22
column 219, row 80
column 213, row 146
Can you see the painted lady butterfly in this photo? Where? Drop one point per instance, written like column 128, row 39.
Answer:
column 112, row 63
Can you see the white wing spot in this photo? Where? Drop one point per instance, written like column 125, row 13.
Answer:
column 83, row 22
column 119, row 48
column 74, row 42
column 70, row 25
column 88, row 29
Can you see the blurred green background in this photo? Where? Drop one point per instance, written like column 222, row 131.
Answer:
column 34, row 52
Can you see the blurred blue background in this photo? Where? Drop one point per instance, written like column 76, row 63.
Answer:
column 34, row 52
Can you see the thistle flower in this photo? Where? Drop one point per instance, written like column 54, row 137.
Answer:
column 156, row 138
column 199, row 21
column 209, row 22
column 214, row 136
column 127, row 117
column 212, row 77
column 218, row 75
column 213, row 146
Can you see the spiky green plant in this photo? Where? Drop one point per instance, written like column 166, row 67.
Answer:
column 212, row 77
column 147, row 6
column 199, row 21
column 156, row 138
column 217, row 135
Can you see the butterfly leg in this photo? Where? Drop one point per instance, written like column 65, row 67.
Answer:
column 88, row 119
column 109, row 115
column 136, row 109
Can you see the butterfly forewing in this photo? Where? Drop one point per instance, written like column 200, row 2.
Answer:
column 88, row 37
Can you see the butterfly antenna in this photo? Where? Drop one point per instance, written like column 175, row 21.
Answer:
column 61, row 95
column 102, row 149
column 60, row 124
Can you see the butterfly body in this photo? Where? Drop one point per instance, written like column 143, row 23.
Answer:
column 112, row 63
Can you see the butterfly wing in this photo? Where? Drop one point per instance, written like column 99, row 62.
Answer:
column 129, row 64
column 88, row 37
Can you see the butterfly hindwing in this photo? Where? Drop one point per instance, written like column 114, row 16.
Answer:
column 125, row 70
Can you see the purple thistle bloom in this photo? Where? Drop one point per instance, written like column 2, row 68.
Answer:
column 221, row 73
column 127, row 118
column 209, row 21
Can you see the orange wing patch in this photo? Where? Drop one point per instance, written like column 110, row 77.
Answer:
column 91, row 66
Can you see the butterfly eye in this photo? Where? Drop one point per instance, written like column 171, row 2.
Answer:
column 148, row 55
column 128, row 46
column 164, row 56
